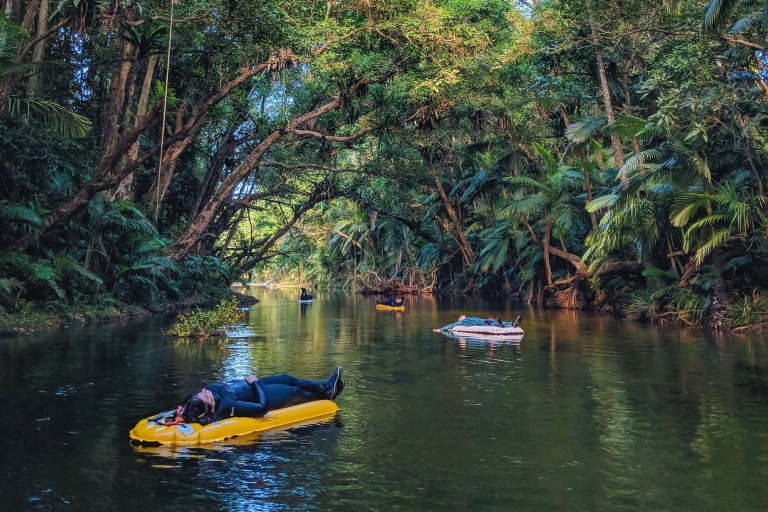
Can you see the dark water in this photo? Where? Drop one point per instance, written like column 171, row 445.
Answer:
column 588, row 413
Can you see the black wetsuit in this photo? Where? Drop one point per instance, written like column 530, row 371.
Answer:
column 239, row 398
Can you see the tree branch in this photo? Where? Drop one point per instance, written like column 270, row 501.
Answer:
column 44, row 35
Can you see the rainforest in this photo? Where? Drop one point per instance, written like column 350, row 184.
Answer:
column 583, row 154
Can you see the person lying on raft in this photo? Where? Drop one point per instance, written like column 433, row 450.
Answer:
column 305, row 295
column 252, row 397
column 473, row 320
column 391, row 301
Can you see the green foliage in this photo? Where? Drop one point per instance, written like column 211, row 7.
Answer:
column 203, row 324
column 747, row 310
column 466, row 147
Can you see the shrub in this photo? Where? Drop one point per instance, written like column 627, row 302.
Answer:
column 746, row 311
column 201, row 323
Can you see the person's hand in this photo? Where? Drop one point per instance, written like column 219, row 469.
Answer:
column 435, row 330
column 250, row 379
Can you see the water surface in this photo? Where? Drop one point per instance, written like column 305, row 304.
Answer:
column 587, row 413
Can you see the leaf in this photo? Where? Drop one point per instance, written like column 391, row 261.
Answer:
column 601, row 202
column 15, row 212
column 549, row 161
column 634, row 162
column 61, row 119
column 626, row 127
column 717, row 13
column 585, row 129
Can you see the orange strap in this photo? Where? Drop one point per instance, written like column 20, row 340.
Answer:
column 178, row 419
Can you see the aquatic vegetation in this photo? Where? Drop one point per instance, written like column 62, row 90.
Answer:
column 204, row 323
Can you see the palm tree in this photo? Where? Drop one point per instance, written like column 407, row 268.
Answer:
column 548, row 199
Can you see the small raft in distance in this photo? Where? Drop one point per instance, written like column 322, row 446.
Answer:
column 487, row 330
column 385, row 307
column 154, row 431
column 306, row 301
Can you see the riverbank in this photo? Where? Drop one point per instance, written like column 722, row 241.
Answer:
column 32, row 322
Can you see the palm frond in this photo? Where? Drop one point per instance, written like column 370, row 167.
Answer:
column 585, row 129
column 717, row 239
column 717, row 14
column 524, row 181
column 9, row 34
column 685, row 207
column 66, row 122
column 526, row 206
column 15, row 213
column 702, row 167
column 626, row 127
column 636, row 161
column 549, row 161
column 752, row 20
column 601, row 202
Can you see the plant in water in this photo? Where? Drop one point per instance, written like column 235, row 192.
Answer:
column 746, row 311
column 203, row 324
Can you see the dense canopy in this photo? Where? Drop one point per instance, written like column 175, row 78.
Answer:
column 575, row 153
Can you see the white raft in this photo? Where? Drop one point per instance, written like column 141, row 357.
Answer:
column 487, row 331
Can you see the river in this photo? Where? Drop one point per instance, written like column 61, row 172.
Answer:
column 587, row 413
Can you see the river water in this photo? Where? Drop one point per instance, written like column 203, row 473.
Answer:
column 587, row 413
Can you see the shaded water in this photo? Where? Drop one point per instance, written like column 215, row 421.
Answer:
column 587, row 413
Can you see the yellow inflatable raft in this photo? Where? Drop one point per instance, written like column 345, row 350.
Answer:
column 384, row 307
column 152, row 430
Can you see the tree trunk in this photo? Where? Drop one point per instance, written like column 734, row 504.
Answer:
column 168, row 166
column 114, row 115
column 214, row 172
column 102, row 179
column 34, row 85
column 231, row 235
column 588, row 187
column 170, row 157
column 466, row 249
column 628, row 106
column 13, row 9
column 545, row 242
column 618, row 154
column 516, row 164
column 124, row 188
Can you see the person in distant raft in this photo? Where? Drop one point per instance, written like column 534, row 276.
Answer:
column 304, row 295
column 253, row 397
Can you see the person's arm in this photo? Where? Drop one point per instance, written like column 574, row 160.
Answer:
column 446, row 328
column 258, row 390
column 251, row 409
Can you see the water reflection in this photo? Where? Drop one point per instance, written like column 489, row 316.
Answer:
column 586, row 413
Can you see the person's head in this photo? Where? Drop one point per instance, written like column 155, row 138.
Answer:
column 462, row 317
column 199, row 407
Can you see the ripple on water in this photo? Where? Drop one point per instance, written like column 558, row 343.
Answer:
column 585, row 414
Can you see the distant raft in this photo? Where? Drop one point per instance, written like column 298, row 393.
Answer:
column 484, row 328
column 487, row 330
column 154, row 431
column 385, row 307
column 305, row 301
